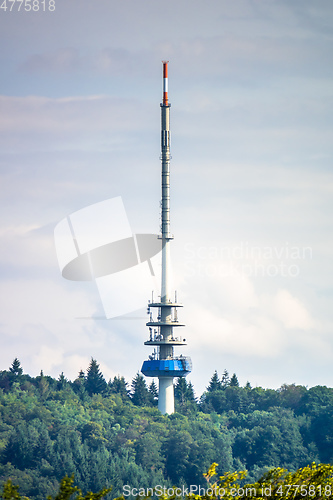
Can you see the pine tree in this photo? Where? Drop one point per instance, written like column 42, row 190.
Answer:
column 62, row 381
column 184, row 395
column 43, row 386
column 153, row 391
column 234, row 381
column 190, row 393
column 95, row 382
column 181, row 391
column 79, row 385
column 119, row 386
column 16, row 368
column 140, row 394
column 225, row 381
column 215, row 383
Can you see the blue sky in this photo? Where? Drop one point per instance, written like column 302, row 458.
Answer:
column 250, row 82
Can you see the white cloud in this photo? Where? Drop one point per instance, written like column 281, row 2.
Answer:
column 60, row 116
column 62, row 60
column 291, row 312
column 48, row 357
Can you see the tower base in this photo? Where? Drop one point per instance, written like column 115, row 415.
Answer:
column 166, row 399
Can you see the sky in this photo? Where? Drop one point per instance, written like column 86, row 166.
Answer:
column 251, row 92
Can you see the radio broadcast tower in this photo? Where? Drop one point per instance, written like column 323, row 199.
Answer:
column 162, row 363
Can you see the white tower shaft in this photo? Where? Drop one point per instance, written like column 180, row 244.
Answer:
column 166, row 398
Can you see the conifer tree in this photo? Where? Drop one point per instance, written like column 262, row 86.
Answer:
column 184, row 394
column 215, row 383
column 190, row 393
column 181, row 391
column 95, row 382
column 234, row 381
column 140, row 394
column 225, row 381
column 119, row 386
column 62, row 381
column 43, row 386
column 153, row 391
column 16, row 368
column 79, row 385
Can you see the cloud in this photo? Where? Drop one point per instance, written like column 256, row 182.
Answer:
column 237, row 313
column 48, row 326
column 92, row 123
column 291, row 312
column 35, row 114
column 27, row 250
column 233, row 58
column 224, row 334
column 116, row 61
column 48, row 357
column 254, row 334
column 60, row 61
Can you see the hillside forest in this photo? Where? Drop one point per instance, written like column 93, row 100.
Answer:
column 112, row 434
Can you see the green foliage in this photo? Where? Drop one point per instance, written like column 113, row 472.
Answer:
column 140, row 394
column 315, row 481
column 215, row 384
column 62, row 381
column 51, row 428
column 66, row 490
column 119, row 386
column 225, row 380
column 10, row 492
column 185, row 400
column 95, row 382
column 16, row 368
column 268, row 438
column 153, row 391
column 234, row 381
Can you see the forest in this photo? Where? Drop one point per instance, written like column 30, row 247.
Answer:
column 111, row 434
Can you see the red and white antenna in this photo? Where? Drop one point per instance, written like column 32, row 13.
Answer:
column 165, row 83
